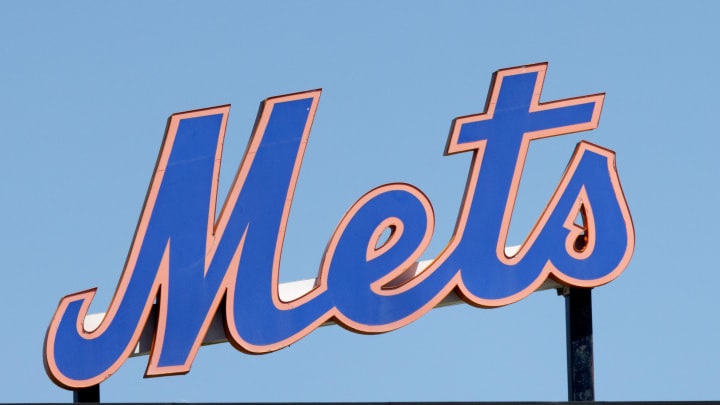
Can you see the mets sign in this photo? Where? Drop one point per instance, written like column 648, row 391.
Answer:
column 189, row 266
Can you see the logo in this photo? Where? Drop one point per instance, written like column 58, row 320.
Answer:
column 190, row 266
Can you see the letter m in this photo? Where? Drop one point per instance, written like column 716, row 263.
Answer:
column 181, row 259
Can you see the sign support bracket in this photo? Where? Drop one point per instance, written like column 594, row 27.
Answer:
column 579, row 343
column 87, row 395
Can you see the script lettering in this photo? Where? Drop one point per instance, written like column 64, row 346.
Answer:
column 186, row 263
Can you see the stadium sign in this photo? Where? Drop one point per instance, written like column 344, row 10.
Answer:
column 189, row 266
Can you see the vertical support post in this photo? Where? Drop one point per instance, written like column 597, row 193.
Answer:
column 579, row 337
column 87, row 395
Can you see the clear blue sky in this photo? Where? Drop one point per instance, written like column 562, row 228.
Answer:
column 86, row 88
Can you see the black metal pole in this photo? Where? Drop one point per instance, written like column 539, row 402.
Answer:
column 85, row 395
column 578, row 326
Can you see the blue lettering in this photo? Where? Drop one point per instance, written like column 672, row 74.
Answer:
column 186, row 264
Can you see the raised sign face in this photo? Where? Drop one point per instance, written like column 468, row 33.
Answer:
column 188, row 263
